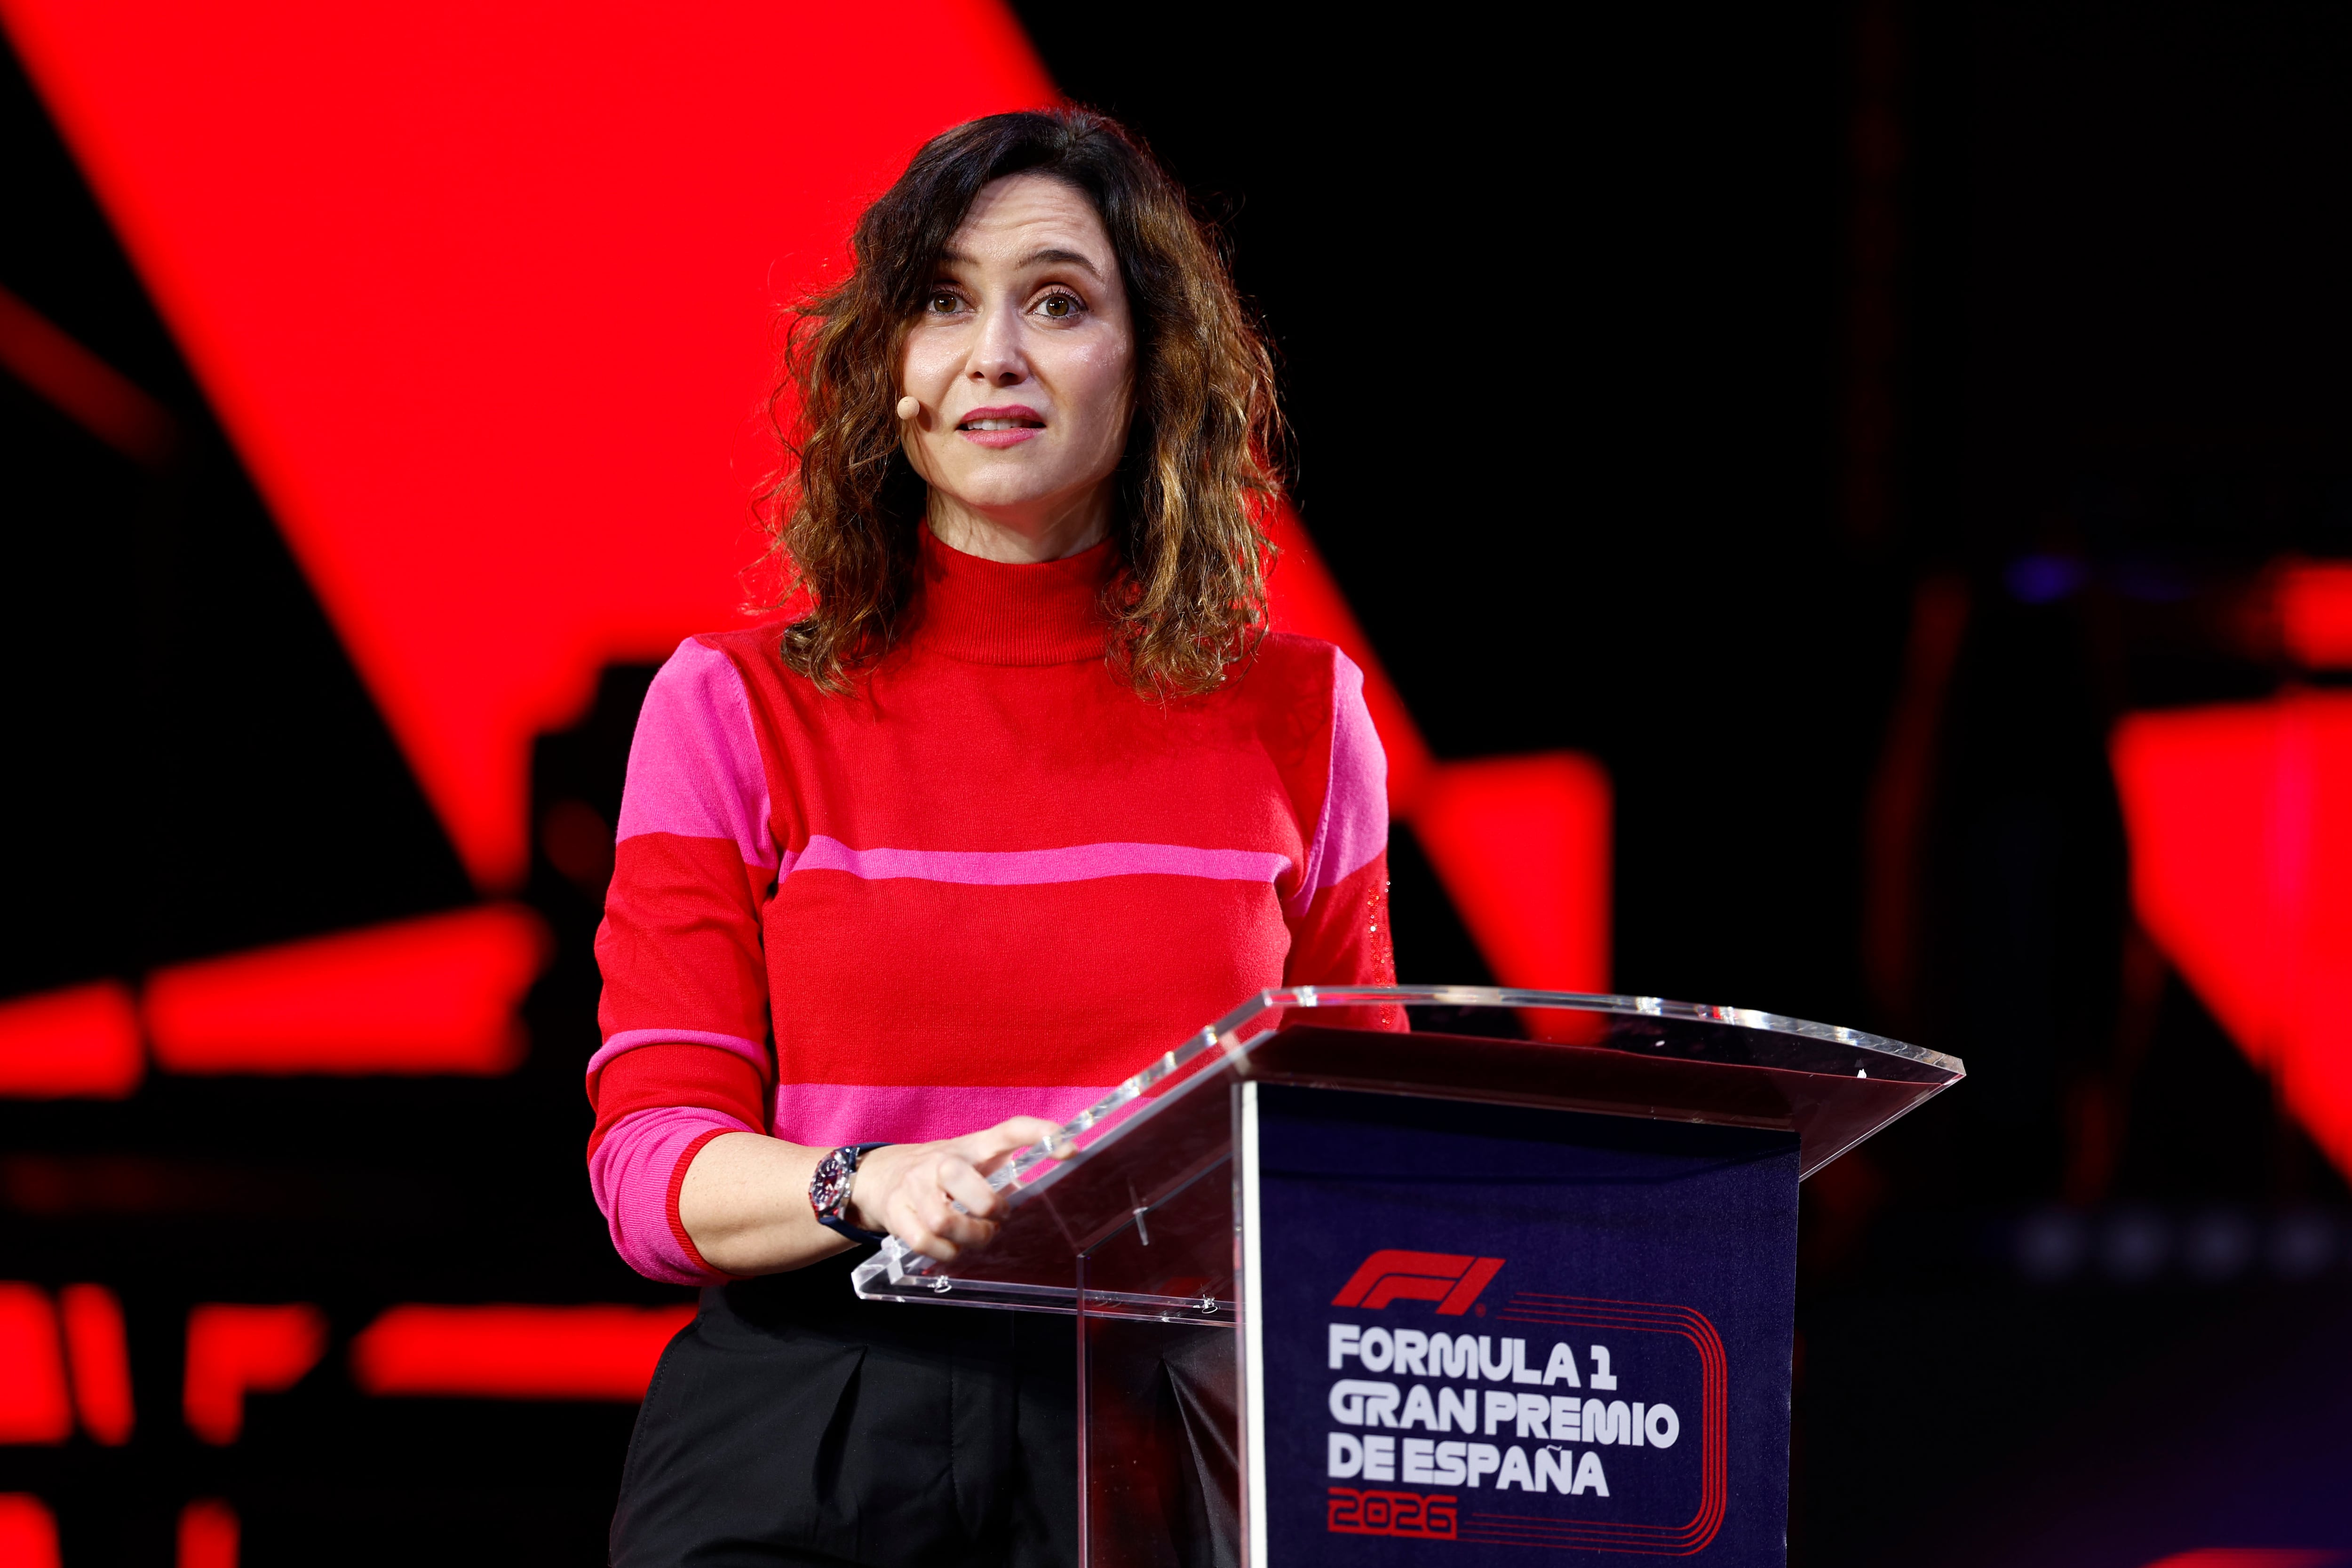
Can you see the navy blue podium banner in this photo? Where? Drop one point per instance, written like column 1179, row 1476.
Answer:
column 1483, row 1334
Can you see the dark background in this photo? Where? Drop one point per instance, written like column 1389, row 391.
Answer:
column 1664, row 378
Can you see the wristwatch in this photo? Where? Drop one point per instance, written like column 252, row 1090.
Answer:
column 829, row 1191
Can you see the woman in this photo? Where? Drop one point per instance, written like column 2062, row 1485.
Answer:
column 1024, row 797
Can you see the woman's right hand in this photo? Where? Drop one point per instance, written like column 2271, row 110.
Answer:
column 935, row 1197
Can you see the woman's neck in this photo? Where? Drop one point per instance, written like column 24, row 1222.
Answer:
column 1023, row 536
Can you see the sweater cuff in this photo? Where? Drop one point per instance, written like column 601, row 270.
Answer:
column 635, row 1174
column 670, row 1204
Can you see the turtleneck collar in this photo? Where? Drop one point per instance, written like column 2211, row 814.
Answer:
column 994, row 612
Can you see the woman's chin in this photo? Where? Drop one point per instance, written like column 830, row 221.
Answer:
column 1012, row 500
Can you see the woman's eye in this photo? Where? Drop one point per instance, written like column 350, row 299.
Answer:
column 1058, row 307
column 942, row 304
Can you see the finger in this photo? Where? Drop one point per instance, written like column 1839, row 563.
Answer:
column 964, row 1184
column 947, row 1195
column 907, row 1225
column 928, row 1199
column 989, row 1148
column 900, row 1186
column 958, row 1230
column 931, row 1206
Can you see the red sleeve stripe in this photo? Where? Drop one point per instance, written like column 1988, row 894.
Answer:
column 676, row 1185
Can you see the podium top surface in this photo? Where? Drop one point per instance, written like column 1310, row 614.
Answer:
column 1148, row 1159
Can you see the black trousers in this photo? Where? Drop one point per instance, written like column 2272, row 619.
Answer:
column 791, row 1423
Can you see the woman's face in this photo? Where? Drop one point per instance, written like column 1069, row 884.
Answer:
column 1021, row 358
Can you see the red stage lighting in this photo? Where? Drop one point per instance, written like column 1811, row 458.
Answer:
column 485, row 296
column 83, row 1042
column 29, row 1531
column 2240, row 826
column 2314, row 612
column 515, row 1353
column 98, row 1354
column 81, row 385
column 1522, row 845
column 2254, row 1557
column 207, row 1534
column 234, row 1351
column 431, row 995
column 33, row 1403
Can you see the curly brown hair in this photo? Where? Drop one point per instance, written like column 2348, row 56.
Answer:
column 845, row 511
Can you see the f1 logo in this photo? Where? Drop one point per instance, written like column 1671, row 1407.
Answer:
column 1452, row 1279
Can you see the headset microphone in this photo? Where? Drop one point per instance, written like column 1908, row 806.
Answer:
column 909, row 408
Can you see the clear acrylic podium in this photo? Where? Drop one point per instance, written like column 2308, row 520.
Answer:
column 1140, row 1220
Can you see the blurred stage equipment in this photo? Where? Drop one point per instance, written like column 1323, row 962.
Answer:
column 2240, row 817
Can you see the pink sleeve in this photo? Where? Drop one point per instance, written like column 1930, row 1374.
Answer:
column 684, row 975
column 1338, row 918
column 695, row 768
column 636, row 1172
column 1354, row 825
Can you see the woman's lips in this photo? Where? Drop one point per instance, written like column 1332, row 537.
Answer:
column 999, row 427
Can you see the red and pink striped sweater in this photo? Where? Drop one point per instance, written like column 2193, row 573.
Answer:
column 993, row 882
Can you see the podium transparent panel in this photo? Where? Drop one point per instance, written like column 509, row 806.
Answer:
column 1159, row 1442
column 1140, row 1186
column 1127, row 1217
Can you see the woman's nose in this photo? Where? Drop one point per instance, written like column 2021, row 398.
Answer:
column 997, row 358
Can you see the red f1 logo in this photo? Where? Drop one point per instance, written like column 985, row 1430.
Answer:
column 1452, row 1279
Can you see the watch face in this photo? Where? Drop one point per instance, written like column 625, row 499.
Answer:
column 829, row 1191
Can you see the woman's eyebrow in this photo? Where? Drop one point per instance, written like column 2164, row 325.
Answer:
column 1049, row 256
